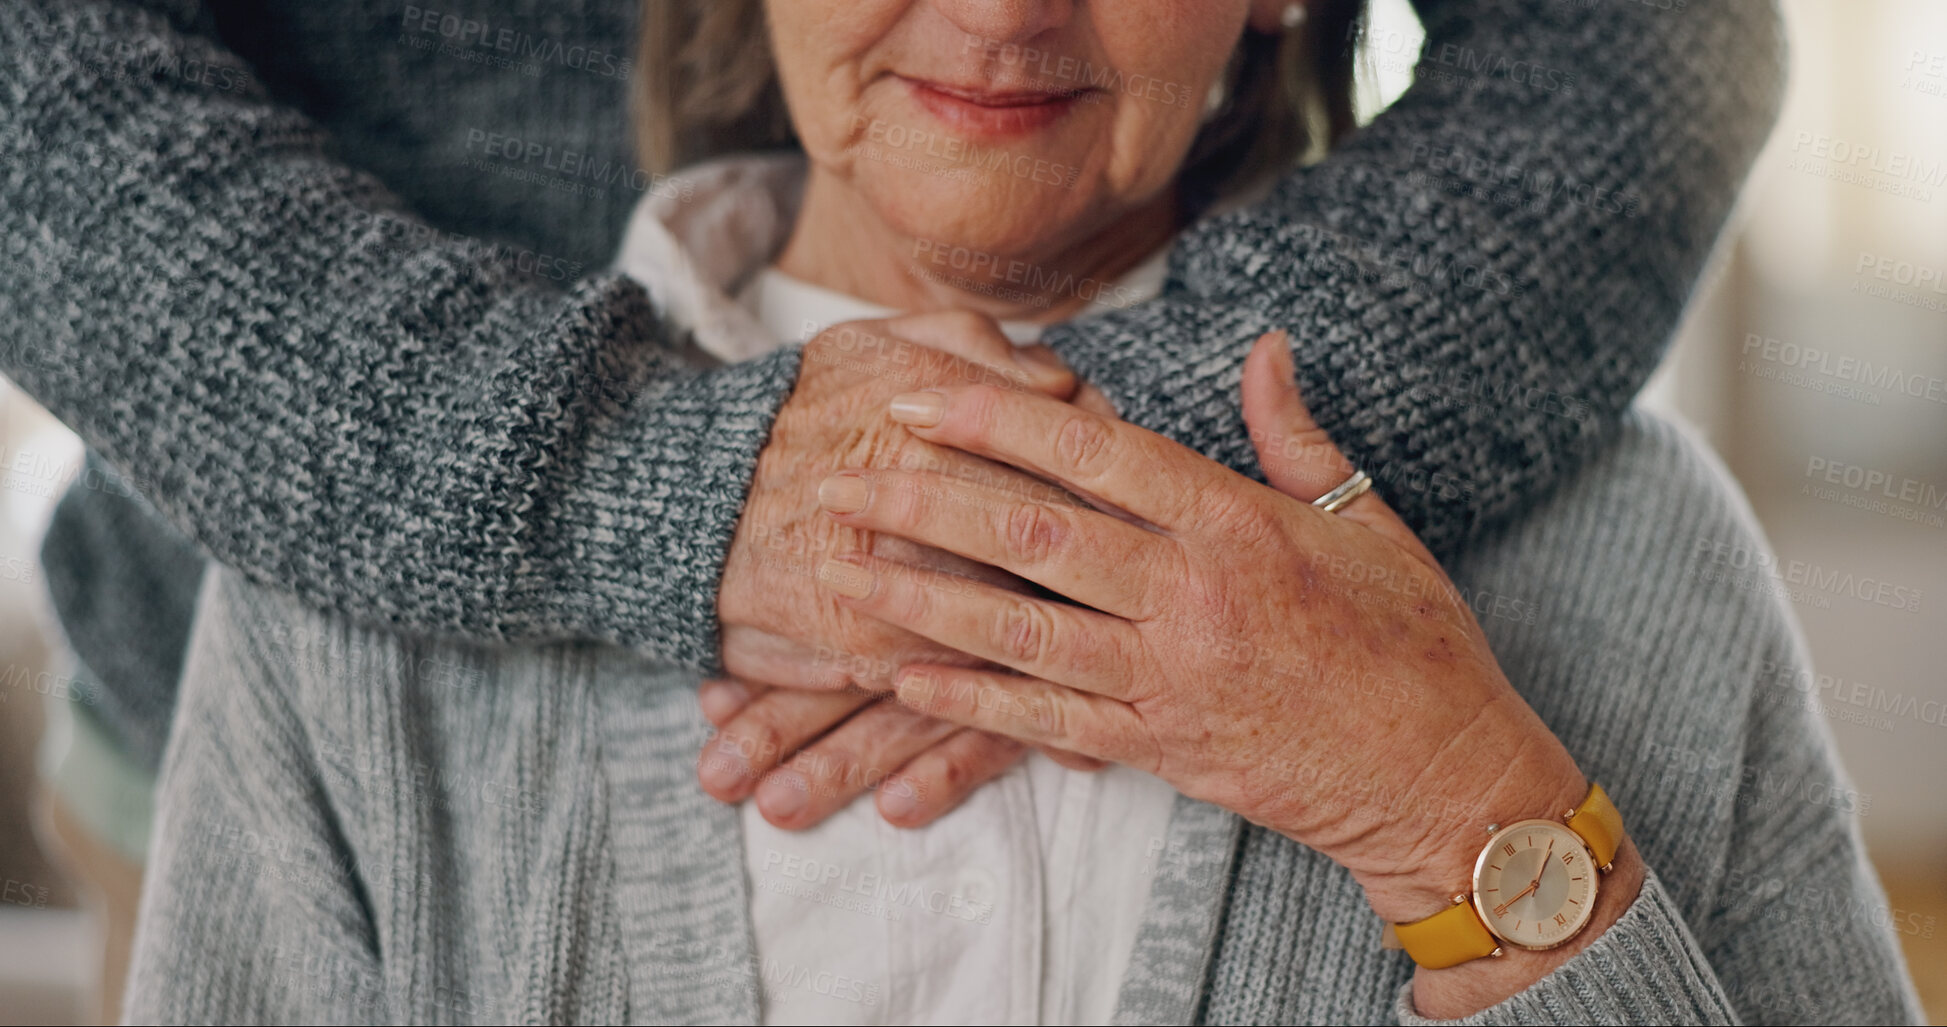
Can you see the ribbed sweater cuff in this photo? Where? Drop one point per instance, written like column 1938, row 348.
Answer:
column 655, row 515
column 1645, row 969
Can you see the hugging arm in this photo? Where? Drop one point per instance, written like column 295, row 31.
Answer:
column 328, row 395
column 1477, row 283
column 414, row 434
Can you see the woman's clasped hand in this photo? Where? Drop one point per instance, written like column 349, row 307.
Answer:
column 1316, row 673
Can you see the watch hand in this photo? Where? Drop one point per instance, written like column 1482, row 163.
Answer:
column 1502, row 909
column 1544, row 864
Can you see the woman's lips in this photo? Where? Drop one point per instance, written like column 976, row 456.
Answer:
column 993, row 113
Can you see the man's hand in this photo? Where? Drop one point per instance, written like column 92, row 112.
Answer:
column 781, row 629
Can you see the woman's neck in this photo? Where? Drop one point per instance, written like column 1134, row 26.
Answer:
column 841, row 243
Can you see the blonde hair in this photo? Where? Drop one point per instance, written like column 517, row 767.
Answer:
column 706, row 85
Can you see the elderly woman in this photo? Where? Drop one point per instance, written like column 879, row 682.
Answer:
column 364, row 824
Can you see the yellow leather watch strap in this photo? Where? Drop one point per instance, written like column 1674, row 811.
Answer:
column 1456, row 934
column 1450, row 937
column 1600, row 824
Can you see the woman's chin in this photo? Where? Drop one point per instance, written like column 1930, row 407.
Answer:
column 976, row 222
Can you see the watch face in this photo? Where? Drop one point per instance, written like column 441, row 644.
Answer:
column 1534, row 884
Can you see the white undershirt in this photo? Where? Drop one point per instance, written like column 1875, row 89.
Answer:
column 1019, row 907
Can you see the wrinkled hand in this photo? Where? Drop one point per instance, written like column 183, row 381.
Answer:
column 809, row 747
column 1317, row 674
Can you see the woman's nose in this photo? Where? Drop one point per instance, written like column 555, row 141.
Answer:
column 1006, row 21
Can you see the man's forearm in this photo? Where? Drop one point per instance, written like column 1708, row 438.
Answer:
column 329, row 396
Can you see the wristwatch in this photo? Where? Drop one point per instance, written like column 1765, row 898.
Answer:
column 1534, row 887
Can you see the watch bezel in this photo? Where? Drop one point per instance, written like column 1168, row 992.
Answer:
column 1475, row 899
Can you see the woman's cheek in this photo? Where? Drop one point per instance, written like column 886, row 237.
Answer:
column 1144, row 152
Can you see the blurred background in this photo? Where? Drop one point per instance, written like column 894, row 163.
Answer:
column 1814, row 359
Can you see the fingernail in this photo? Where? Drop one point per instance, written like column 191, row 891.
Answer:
column 721, row 698
column 1040, row 358
column 724, row 768
column 847, row 579
column 844, row 493
column 782, row 794
column 919, row 409
column 898, row 799
column 1285, row 363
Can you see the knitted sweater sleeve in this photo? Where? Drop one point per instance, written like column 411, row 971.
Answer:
column 464, row 451
column 378, row 418
column 1479, row 281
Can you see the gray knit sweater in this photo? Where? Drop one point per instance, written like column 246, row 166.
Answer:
column 325, row 279
column 361, row 826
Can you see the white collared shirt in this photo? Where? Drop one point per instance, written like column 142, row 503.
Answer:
column 1022, row 905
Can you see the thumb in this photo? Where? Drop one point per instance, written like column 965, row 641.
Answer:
column 1298, row 458
column 979, row 339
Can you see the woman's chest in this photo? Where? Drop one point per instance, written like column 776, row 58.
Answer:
column 1020, row 906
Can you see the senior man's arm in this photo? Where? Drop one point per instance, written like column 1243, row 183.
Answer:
column 1477, row 283
column 416, row 434
column 322, row 391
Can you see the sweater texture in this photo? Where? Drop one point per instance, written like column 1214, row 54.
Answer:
column 357, row 825
column 327, row 282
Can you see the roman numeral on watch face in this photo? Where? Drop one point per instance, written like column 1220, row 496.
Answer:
column 1540, row 898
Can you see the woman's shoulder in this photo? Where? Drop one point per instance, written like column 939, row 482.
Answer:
column 323, row 662
column 1656, row 513
column 252, row 630
column 1650, row 548
column 1642, row 614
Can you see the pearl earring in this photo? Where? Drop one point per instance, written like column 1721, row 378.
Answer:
column 1293, row 16
column 1213, row 101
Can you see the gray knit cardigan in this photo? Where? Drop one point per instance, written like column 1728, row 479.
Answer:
column 357, row 825
column 326, row 280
